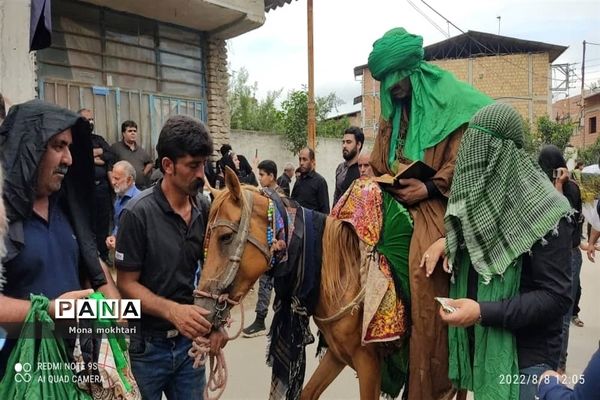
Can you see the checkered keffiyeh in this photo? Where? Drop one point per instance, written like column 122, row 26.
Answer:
column 500, row 203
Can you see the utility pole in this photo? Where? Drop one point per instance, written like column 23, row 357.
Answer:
column 582, row 115
column 311, row 123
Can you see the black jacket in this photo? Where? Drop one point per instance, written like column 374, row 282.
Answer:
column 23, row 137
column 535, row 315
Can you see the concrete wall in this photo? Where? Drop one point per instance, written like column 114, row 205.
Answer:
column 17, row 66
column 222, row 18
column 271, row 146
column 523, row 80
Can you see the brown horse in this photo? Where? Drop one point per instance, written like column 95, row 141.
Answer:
column 238, row 254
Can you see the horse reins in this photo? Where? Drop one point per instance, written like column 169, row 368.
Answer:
column 199, row 351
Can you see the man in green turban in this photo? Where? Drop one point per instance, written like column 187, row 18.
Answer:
column 424, row 111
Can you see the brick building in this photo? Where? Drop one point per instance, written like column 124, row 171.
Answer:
column 569, row 109
column 128, row 59
column 510, row 70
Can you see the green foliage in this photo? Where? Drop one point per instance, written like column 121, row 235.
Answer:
column 249, row 113
column 531, row 142
column 590, row 154
column 295, row 111
column 554, row 133
column 333, row 127
column 295, row 114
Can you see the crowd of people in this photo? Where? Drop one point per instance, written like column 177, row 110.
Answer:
column 496, row 234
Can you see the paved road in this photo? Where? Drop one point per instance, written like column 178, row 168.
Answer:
column 249, row 377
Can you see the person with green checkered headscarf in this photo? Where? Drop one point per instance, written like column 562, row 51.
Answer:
column 508, row 238
column 424, row 110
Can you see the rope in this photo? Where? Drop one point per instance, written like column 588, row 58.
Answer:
column 353, row 306
column 200, row 351
column 367, row 254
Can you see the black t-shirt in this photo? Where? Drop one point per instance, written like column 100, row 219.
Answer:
column 311, row 192
column 156, row 241
column 352, row 173
column 139, row 158
column 101, row 171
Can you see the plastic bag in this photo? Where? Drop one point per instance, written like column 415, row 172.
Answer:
column 113, row 364
column 38, row 367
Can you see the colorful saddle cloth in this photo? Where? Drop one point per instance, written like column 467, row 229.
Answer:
column 385, row 310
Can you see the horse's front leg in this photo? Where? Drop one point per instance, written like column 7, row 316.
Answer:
column 328, row 369
column 367, row 365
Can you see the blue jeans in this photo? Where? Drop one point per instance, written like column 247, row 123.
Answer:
column 265, row 287
column 576, row 260
column 163, row 365
column 530, row 378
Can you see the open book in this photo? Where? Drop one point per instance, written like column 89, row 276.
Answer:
column 415, row 170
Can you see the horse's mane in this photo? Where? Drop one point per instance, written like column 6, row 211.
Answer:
column 341, row 261
column 341, row 251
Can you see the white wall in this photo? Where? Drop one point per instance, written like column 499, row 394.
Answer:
column 17, row 67
column 270, row 146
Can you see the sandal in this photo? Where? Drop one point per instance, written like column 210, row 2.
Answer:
column 577, row 322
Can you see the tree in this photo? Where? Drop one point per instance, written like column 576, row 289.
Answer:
column 249, row 113
column 295, row 115
column 590, row 154
column 554, row 133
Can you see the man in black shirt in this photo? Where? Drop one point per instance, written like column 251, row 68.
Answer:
column 347, row 171
column 103, row 163
column 129, row 150
column 310, row 189
column 158, row 257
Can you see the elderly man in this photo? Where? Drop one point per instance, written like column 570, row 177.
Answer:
column 364, row 168
column 424, row 111
column 123, row 182
column 285, row 180
column 48, row 187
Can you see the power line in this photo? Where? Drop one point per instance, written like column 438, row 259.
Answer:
column 577, row 76
column 485, row 47
column 428, row 19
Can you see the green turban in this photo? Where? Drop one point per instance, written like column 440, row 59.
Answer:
column 440, row 103
column 395, row 56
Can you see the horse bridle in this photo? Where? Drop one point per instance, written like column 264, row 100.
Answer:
column 242, row 235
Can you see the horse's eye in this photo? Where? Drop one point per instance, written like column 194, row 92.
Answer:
column 227, row 238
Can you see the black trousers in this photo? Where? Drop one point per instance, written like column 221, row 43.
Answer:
column 102, row 217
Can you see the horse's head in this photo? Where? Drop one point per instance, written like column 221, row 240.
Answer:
column 236, row 246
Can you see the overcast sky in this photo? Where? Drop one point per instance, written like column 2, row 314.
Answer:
column 275, row 54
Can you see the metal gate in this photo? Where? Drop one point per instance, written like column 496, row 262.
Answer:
column 112, row 106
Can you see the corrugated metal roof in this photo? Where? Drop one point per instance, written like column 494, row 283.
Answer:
column 273, row 4
column 474, row 44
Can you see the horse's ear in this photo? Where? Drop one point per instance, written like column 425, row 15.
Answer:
column 233, row 184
